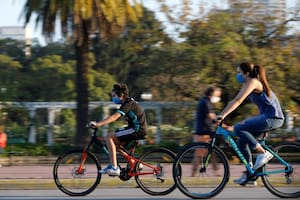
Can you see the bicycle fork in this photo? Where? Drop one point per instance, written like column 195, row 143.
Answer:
column 207, row 158
column 84, row 156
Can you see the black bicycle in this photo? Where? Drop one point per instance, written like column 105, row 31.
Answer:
column 76, row 172
column 281, row 175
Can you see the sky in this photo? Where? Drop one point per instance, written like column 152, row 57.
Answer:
column 10, row 11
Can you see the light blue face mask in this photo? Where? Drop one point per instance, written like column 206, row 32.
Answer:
column 240, row 78
column 116, row 100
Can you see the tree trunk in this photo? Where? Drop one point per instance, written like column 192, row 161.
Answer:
column 81, row 51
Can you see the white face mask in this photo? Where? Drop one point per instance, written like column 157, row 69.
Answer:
column 215, row 99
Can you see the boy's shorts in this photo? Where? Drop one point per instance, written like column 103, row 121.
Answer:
column 126, row 134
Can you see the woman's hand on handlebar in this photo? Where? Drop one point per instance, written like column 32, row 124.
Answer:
column 218, row 120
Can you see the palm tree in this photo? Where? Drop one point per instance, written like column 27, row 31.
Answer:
column 81, row 20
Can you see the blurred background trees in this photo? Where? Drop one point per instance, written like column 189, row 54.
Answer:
column 206, row 51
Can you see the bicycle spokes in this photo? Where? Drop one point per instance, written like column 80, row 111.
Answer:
column 199, row 174
column 76, row 174
column 282, row 173
column 155, row 177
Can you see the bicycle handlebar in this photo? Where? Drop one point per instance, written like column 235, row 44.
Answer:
column 91, row 125
column 220, row 120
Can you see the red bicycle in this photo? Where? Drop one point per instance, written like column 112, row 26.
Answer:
column 76, row 172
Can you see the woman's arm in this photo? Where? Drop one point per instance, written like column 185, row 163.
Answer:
column 246, row 89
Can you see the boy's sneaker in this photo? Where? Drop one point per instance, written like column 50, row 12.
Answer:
column 242, row 179
column 262, row 159
column 110, row 170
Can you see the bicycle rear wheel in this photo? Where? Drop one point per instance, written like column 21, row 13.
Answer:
column 196, row 181
column 73, row 180
column 155, row 172
column 285, row 184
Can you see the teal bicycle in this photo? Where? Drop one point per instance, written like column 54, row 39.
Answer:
column 281, row 175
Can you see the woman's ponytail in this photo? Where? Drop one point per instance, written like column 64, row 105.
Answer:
column 261, row 75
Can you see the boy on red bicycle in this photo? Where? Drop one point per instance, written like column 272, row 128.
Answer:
column 136, row 129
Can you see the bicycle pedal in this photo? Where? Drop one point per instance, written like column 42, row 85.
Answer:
column 113, row 175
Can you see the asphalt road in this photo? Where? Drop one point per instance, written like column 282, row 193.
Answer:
column 132, row 193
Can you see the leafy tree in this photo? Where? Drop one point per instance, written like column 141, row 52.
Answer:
column 48, row 78
column 14, row 49
column 53, row 48
column 80, row 20
column 126, row 58
column 9, row 78
column 212, row 47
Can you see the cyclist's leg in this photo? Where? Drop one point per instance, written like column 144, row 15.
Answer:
column 112, row 141
column 124, row 136
column 247, row 132
column 245, row 150
column 112, row 168
column 246, row 141
column 265, row 156
column 251, row 128
column 199, row 153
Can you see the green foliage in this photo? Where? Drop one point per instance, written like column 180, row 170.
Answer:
column 100, row 84
column 9, row 78
column 147, row 59
column 65, row 132
column 28, row 150
column 13, row 49
column 49, row 78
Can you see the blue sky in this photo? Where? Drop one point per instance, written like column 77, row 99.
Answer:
column 10, row 11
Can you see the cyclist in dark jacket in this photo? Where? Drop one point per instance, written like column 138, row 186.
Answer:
column 205, row 113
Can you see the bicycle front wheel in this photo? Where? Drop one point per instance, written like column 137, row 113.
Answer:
column 200, row 175
column 155, row 172
column 76, row 173
column 281, row 180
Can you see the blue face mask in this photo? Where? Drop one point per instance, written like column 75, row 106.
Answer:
column 116, row 100
column 239, row 77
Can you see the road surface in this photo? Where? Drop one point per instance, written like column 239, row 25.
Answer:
column 132, row 193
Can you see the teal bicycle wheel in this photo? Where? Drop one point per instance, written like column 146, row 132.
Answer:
column 197, row 179
column 281, row 180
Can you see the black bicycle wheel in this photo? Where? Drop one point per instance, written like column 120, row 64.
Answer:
column 72, row 180
column 155, row 168
column 195, row 180
column 285, row 184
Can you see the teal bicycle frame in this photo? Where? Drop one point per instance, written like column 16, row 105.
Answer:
column 228, row 136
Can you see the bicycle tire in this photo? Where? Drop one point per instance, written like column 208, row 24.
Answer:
column 160, row 182
column 279, row 184
column 67, row 178
column 207, row 182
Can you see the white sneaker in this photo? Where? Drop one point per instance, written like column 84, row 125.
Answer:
column 110, row 170
column 242, row 179
column 262, row 159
